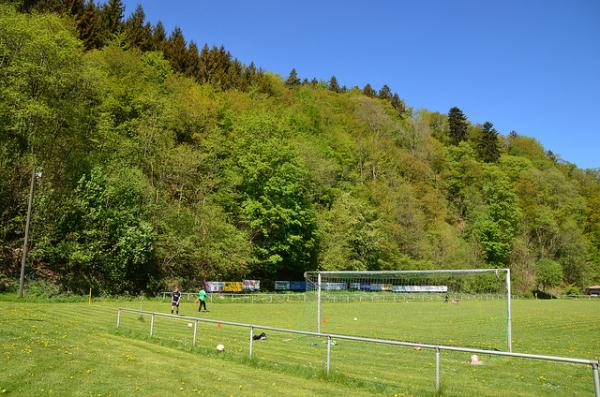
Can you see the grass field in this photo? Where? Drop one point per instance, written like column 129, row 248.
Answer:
column 75, row 349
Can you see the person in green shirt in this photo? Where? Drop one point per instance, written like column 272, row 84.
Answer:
column 202, row 300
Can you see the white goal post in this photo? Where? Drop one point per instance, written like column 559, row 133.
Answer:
column 352, row 281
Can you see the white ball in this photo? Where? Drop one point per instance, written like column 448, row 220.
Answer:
column 355, row 318
column 190, row 325
column 220, row 347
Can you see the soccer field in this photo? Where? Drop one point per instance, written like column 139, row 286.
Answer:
column 75, row 349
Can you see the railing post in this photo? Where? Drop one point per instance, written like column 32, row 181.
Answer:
column 319, row 302
column 328, row 353
column 437, row 369
column 195, row 330
column 509, row 312
column 596, row 380
column 152, row 325
column 251, row 341
column 118, row 317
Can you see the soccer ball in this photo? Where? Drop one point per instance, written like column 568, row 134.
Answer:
column 475, row 360
column 355, row 318
column 220, row 347
column 190, row 325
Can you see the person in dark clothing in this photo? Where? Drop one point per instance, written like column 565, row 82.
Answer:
column 175, row 301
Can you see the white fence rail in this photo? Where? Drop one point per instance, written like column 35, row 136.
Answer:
column 240, row 297
column 330, row 337
column 336, row 297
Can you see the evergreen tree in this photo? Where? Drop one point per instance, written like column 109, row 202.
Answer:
column 192, row 63
column 204, row 64
column 314, row 83
column 112, row 16
column 385, row 93
column 176, row 51
column 73, row 7
column 333, row 84
column 248, row 76
column 369, row 91
column 137, row 33
column 89, row 27
column 487, row 144
column 234, row 75
column 398, row 104
column 29, row 6
column 292, row 80
column 215, row 66
column 159, row 36
column 457, row 123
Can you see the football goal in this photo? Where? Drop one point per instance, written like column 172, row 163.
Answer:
column 433, row 300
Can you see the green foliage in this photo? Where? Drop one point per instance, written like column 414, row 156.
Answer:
column 275, row 206
column 496, row 227
column 292, row 80
column 369, row 91
column 488, row 148
column 90, row 26
column 106, row 242
column 549, row 273
column 333, row 84
column 457, row 123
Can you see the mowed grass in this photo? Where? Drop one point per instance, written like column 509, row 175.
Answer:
column 75, row 349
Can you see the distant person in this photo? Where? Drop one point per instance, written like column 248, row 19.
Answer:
column 175, row 300
column 202, row 300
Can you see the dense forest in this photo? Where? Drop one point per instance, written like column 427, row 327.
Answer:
column 165, row 163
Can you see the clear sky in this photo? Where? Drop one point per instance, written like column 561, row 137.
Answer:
column 532, row 66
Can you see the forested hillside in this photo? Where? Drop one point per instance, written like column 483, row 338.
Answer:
column 164, row 163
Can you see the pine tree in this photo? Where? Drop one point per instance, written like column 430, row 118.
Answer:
column 487, row 144
column 235, row 74
column 159, row 37
column 137, row 33
column 457, row 123
column 385, row 93
column 176, row 51
column 73, row 7
column 112, row 16
column 333, row 84
column 314, row 83
column 192, row 63
column 89, row 26
column 56, row 6
column 204, row 72
column 398, row 104
column 248, row 76
column 369, row 91
column 292, row 80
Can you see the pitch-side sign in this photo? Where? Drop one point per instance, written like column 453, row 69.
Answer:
column 420, row 288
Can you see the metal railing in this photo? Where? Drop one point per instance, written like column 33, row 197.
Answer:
column 337, row 297
column 330, row 337
column 258, row 297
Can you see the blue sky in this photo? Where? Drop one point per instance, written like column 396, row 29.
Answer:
column 529, row 66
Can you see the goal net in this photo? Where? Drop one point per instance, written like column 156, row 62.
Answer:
column 467, row 307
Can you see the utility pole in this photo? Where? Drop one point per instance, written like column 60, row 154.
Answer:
column 25, row 243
